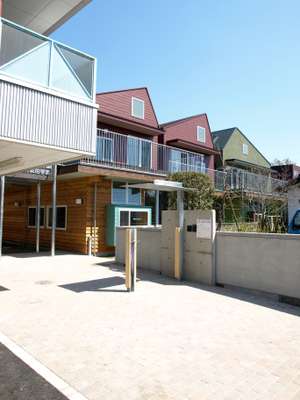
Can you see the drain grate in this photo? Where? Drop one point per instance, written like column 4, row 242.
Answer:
column 2, row 288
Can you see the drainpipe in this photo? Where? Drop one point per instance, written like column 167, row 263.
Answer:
column 54, row 171
column 2, row 189
column 38, row 214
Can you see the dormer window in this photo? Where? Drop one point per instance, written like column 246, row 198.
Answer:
column 137, row 108
column 201, row 134
column 245, row 149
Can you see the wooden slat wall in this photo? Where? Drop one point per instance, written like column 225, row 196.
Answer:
column 79, row 220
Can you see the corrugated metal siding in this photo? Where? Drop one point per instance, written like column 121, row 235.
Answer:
column 34, row 116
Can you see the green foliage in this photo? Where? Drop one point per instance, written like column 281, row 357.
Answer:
column 201, row 199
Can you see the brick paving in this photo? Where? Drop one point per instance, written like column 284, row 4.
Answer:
column 166, row 341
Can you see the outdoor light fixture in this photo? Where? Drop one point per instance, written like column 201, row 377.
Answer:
column 10, row 161
column 79, row 201
column 17, row 204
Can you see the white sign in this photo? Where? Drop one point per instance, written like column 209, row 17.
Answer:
column 204, row 229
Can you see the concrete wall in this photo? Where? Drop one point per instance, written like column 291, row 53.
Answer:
column 293, row 201
column 199, row 253
column 267, row 262
column 156, row 251
column 148, row 247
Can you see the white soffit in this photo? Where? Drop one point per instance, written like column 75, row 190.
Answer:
column 15, row 157
column 42, row 16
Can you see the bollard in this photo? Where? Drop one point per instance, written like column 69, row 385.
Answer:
column 130, row 259
column 178, row 258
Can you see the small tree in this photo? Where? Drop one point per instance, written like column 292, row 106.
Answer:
column 200, row 199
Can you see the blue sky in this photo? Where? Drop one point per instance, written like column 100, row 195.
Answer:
column 236, row 60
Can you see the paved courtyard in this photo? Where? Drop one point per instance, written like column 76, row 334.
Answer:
column 166, row 341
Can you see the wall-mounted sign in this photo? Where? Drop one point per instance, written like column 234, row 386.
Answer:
column 204, row 229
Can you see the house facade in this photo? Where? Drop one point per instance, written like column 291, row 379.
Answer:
column 192, row 134
column 248, row 179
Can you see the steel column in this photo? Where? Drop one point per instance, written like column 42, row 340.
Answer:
column 157, row 207
column 95, row 219
column 2, row 189
column 180, row 210
column 38, row 216
column 54, row 171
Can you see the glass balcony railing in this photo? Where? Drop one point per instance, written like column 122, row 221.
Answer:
column 36, row 59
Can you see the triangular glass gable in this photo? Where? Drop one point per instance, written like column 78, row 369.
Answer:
column 82, row 66
column 32, row 66
column 16, row 42
column 63, row 77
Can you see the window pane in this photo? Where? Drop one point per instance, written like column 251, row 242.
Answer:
column 138, row 108
column 133, row 151
column 124, row 218
column 61, row 217
column 61, row 213
column 138, row 218
column 200, row 134
column 134, row 196
column 146, row 155
column 119, row 193
column 31, row 216
column 104, row 149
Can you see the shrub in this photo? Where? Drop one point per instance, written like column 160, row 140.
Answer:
column 201, row 199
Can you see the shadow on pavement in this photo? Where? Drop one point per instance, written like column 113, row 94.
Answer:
column 96, row 285
column 251, row 296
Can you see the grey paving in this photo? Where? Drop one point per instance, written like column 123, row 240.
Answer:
column 166, row 341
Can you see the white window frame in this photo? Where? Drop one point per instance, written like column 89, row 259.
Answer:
column 133, row 99
column 134, row 210
column 34, row 226
column 66, row 217
column 126, row 194
column 244, row 147
column 204, row 134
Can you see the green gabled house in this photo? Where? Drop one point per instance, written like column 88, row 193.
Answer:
column 237, row 151
column 248, row 175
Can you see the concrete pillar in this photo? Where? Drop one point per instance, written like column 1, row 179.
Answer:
column 54, row 172
column 2, row 190
column 38, row 214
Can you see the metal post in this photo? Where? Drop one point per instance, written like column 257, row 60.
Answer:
column 133, row 258
column 38, row 216
column 54, row 171
column 180, row 209
column 157, row 207
column 95, row 220
column 2, row 189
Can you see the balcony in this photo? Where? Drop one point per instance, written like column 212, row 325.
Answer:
column 47, row 92
column 242, row 180
column 130, row 153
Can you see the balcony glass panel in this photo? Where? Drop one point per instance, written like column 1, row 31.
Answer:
column 34, row 58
